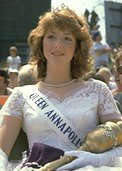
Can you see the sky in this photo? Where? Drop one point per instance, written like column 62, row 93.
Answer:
column 81, row 5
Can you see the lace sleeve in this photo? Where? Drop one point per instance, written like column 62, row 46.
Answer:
column 107, row 104
column 14, row 104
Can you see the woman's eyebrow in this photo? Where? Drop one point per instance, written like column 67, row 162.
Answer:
column 54, row 32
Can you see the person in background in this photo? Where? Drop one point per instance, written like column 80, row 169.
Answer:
column 60, row 46
column 4, row 81
column 106, row 74
column 5, row 91
column 117, row 92
column 94, row 29
column 100, row 52
column 27, row 75
column 94, row 75
column 13, row 61
column 13, row 77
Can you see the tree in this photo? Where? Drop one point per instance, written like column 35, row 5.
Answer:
column 92, row 18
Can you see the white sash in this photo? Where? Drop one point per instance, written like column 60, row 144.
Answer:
column 53, row 116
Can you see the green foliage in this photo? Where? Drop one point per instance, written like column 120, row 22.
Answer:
column 92, row 18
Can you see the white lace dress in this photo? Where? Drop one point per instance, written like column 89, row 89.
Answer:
column 86, row 106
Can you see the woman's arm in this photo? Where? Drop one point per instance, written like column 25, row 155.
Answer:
column 103, row 138
column 83, row 158
column 9, row 131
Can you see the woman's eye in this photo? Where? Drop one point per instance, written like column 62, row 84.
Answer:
column 68, row 39
column 50, row 36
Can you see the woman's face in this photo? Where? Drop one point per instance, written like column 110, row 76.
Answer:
column 59, row 46
column 13, row 53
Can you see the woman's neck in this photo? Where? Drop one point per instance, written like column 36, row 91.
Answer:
column 57, row 79
column 57, row 75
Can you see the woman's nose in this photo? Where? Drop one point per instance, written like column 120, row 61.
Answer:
column 58, row 43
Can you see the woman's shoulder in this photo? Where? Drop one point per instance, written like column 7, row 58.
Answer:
column 92, row 81
column 20, row 93
column 24, row 88
column 18, row 57
column 92, row 85
column 9, row 57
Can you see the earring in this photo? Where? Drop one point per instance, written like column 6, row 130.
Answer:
column 43, row 60
column 75, row 63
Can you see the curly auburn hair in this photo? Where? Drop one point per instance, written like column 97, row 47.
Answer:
column 62, row 18
column 118, row 57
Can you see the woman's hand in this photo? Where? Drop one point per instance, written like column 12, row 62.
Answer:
column 83, row 159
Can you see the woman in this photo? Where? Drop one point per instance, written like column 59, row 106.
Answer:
column 62, row 108
column 13, row 61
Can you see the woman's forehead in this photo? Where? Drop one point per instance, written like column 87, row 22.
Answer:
column 55, row 30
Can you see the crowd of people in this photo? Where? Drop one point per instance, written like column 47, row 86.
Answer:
column 63, row 98
column 15, row 74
